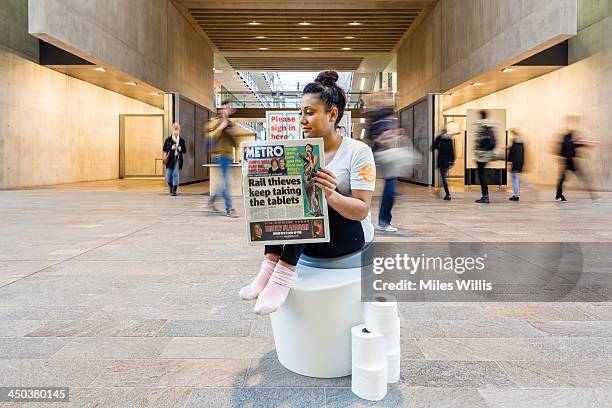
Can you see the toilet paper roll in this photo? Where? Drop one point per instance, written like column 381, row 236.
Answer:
column 380, row 316
column 368, row 349
column 393, row 367
column 392, row 338
column 369, row 383
column 382, row 325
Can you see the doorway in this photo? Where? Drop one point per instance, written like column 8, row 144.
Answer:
column 141, row 138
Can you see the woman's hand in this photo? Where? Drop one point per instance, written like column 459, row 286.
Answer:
column 326, row 181
column 174, row 146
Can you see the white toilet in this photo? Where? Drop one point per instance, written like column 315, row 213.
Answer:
column 312, row 330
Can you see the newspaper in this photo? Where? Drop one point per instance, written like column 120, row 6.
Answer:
column 282, row 203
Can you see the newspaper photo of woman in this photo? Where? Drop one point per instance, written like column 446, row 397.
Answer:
column 282, row 165
column 310, row 162
column 274, row 169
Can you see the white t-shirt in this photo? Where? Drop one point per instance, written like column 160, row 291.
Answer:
column 353, row 165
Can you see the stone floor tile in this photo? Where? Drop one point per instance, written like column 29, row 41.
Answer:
column 488, row 349
column 45, row 312
column 574, row 329
column 103, row 348
column 262, row 327
column 399, row 395
column 444, row 312
column 168, row 397
column 257, row 397
column 218, row 347
column 206, row 328
column 599, row 311
column 98, row 328
column 268, row 372
column 489, row 328
column 559, row 374
column 174, row 373
column 548, row 398
column 421, row 329
column 410, row 349
column 22, row 347
column 18, row 328
column 36, row 373
column 583, row 348
column 535, row 312
column 470, row 374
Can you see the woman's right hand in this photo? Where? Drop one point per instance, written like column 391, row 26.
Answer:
column 174, row 147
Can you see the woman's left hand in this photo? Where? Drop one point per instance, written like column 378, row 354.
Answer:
column 326, row 181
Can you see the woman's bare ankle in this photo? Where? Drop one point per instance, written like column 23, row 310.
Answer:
column 286, row 265
column 272, row 257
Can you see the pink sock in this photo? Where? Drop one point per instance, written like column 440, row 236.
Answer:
column 276, row 291
column 252, row 290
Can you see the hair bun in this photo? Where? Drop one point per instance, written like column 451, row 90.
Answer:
column 327, row 78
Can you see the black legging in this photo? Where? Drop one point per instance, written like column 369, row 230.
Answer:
column 570, row 165
column 346, row 237
column 484, row 187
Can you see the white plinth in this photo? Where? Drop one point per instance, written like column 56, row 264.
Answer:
column 312, row 330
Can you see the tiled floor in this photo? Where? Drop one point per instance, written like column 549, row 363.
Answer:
column 129, row 297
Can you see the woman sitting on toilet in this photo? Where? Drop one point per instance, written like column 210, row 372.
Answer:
column 347, row 181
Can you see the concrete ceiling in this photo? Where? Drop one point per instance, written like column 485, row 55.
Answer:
column 116, row 81
column 491, row 82
column 377, row 27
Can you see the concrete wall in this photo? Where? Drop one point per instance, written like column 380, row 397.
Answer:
column 148, row 39
column 13, row 19
column 583, row 88
column 190, row 61
column 461, row 39
column 55, row 128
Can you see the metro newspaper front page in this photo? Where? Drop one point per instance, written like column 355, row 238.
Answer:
column 281, row 202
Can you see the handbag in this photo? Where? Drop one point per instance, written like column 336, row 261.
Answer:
column 398, row 159
column 395, row 162
column 165, row 157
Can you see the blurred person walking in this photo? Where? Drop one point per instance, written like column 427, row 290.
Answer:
column 568, row 151
column 484, row 152
column 382, row 131
column 222, row 132
column 174, row 147
column 516, row 156
column 446, row 158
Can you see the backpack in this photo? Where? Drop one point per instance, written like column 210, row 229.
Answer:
column 568, row 149
column 488, row 140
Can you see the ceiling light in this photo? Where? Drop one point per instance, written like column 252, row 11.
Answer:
column 305, row 37
column 305, row 48
column 263, row 48
column 260, row 37
column 506, row 70
column 354, row 23
column 346, row 48
column 476, row 84
column 362, row 85
column 155, row 94
column 304, row 23
column 131, row 83
column 254, row 23
column 349, row 37
column 101, row 69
